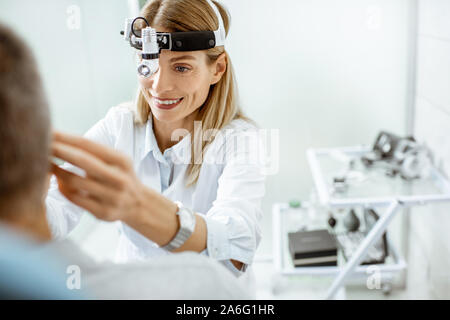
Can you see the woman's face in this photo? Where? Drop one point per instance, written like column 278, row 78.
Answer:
column 181, row 84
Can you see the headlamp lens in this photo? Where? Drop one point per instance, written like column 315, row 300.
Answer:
column 144, row 70
column 147, row 68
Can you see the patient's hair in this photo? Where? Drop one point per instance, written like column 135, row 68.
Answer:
column 24, row 125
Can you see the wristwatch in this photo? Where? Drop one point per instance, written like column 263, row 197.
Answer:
column 187, row 227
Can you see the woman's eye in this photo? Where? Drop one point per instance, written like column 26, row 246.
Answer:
column 181, row 69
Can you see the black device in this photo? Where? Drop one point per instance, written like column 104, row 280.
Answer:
column 312, row 248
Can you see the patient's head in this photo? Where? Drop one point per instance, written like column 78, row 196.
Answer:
column 24, row 132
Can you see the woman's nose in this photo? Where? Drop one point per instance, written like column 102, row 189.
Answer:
column 161, row 81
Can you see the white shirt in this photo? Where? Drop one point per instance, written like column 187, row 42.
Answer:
column 227, row 194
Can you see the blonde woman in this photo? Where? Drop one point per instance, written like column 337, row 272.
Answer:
column 170, row 186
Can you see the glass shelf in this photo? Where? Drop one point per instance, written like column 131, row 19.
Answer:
column 369, row 186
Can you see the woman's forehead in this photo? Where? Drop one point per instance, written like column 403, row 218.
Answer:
column 174, row 56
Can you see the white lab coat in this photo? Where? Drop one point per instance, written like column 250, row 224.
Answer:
column 227, row 195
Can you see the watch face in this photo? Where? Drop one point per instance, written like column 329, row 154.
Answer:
column 187, row 219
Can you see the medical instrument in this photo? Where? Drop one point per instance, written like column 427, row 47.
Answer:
column 354, row 233
column 351, row 221
column 397, row 155
column 331, row 220
column 150, row 42
column 349, row 243
column 392, row 154
column 349, row 175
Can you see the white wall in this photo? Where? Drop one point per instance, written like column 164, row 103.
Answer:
column 86, row 65
column 429, row 259
column 323, row 72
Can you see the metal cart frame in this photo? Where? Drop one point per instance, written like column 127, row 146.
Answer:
column 391, row 203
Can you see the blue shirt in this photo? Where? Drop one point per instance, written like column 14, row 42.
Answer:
column 28, row 273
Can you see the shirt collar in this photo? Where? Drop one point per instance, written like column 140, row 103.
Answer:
column 181, row 150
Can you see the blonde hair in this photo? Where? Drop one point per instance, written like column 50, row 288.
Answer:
column 221, row 105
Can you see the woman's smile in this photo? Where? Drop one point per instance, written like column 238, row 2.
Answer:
column 167, row 104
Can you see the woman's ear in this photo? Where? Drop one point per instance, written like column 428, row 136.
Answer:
column 219, row 68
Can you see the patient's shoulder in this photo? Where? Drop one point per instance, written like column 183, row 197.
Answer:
column 191, row 276
column 213, row 280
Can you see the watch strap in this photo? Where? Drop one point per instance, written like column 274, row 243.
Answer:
column 185, row 231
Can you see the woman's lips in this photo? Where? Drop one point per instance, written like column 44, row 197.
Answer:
column 167, row 106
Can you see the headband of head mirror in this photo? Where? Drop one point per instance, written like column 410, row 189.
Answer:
column 176, row 41
column 151, row 42
column 220, row 33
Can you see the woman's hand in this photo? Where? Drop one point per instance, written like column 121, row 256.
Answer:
column 110, row 190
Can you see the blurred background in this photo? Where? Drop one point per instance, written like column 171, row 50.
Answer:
column 324, row 73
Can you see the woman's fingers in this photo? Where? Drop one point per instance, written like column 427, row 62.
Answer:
column 83, row 201
column 104, row 153
column 109, row 188
column 90, row 164
column 75, row 183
